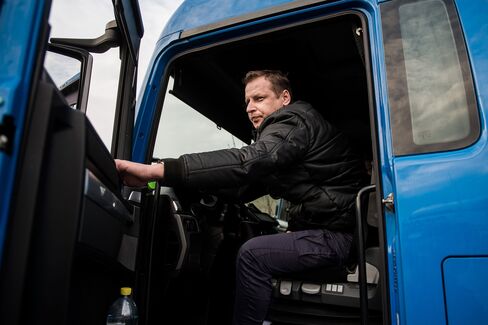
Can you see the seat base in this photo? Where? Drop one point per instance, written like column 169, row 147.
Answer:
column 293, row 312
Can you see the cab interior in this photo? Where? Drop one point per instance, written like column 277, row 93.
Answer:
column 327, row 63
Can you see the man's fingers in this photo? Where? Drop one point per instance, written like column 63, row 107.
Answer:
column 120, row 165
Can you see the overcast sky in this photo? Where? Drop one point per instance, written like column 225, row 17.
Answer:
column 87, row 19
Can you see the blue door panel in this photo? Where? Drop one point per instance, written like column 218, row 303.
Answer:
column 20, row 22
column 441, row 203
column 441, row 210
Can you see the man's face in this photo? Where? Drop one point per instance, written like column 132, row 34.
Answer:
column 261, row 100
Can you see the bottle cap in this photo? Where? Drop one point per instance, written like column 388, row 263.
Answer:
column 125, row 291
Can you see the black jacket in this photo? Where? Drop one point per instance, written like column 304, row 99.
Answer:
column 297, row 156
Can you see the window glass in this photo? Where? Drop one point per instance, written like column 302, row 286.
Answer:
column 430, row 89
column 184, row 130
column 267, row 205
column 438, row 104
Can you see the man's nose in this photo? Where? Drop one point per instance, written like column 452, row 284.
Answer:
column 250, row 107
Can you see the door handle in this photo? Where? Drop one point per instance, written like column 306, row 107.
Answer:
column 389, row 202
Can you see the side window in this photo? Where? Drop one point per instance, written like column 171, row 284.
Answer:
column 430, row 88
column 184, row 130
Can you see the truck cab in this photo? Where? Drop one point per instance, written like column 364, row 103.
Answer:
column 405, row 80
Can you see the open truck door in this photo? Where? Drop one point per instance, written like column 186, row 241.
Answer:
column 67, row 236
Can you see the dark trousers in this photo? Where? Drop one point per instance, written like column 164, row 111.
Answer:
column 262, row 257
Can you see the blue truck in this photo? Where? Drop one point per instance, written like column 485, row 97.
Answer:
column 405, row 80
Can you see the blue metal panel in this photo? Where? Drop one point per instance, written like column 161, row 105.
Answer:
column 441, row 200
column 441, row 211
column 19, row 31
column 196, row 13
column 466, row 288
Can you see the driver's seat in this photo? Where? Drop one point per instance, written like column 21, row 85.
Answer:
column 332, row 294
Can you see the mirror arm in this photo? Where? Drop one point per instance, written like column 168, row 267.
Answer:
column 101, row 44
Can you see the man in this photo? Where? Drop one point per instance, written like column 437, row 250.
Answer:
column 297, row 156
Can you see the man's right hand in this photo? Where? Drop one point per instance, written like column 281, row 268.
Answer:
column 136, row 174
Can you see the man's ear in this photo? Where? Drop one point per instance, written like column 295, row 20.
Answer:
column 286, row 97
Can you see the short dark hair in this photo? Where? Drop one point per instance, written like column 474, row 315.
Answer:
column 279, row 80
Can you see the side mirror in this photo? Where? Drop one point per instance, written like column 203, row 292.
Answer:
column 77, row 63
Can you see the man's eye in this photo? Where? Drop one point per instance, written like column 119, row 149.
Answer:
column 260, row 99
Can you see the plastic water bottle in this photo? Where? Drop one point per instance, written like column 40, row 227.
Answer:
column 124, row 310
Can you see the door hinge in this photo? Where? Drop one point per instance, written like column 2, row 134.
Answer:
column 389, row 202
column 7, row 131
